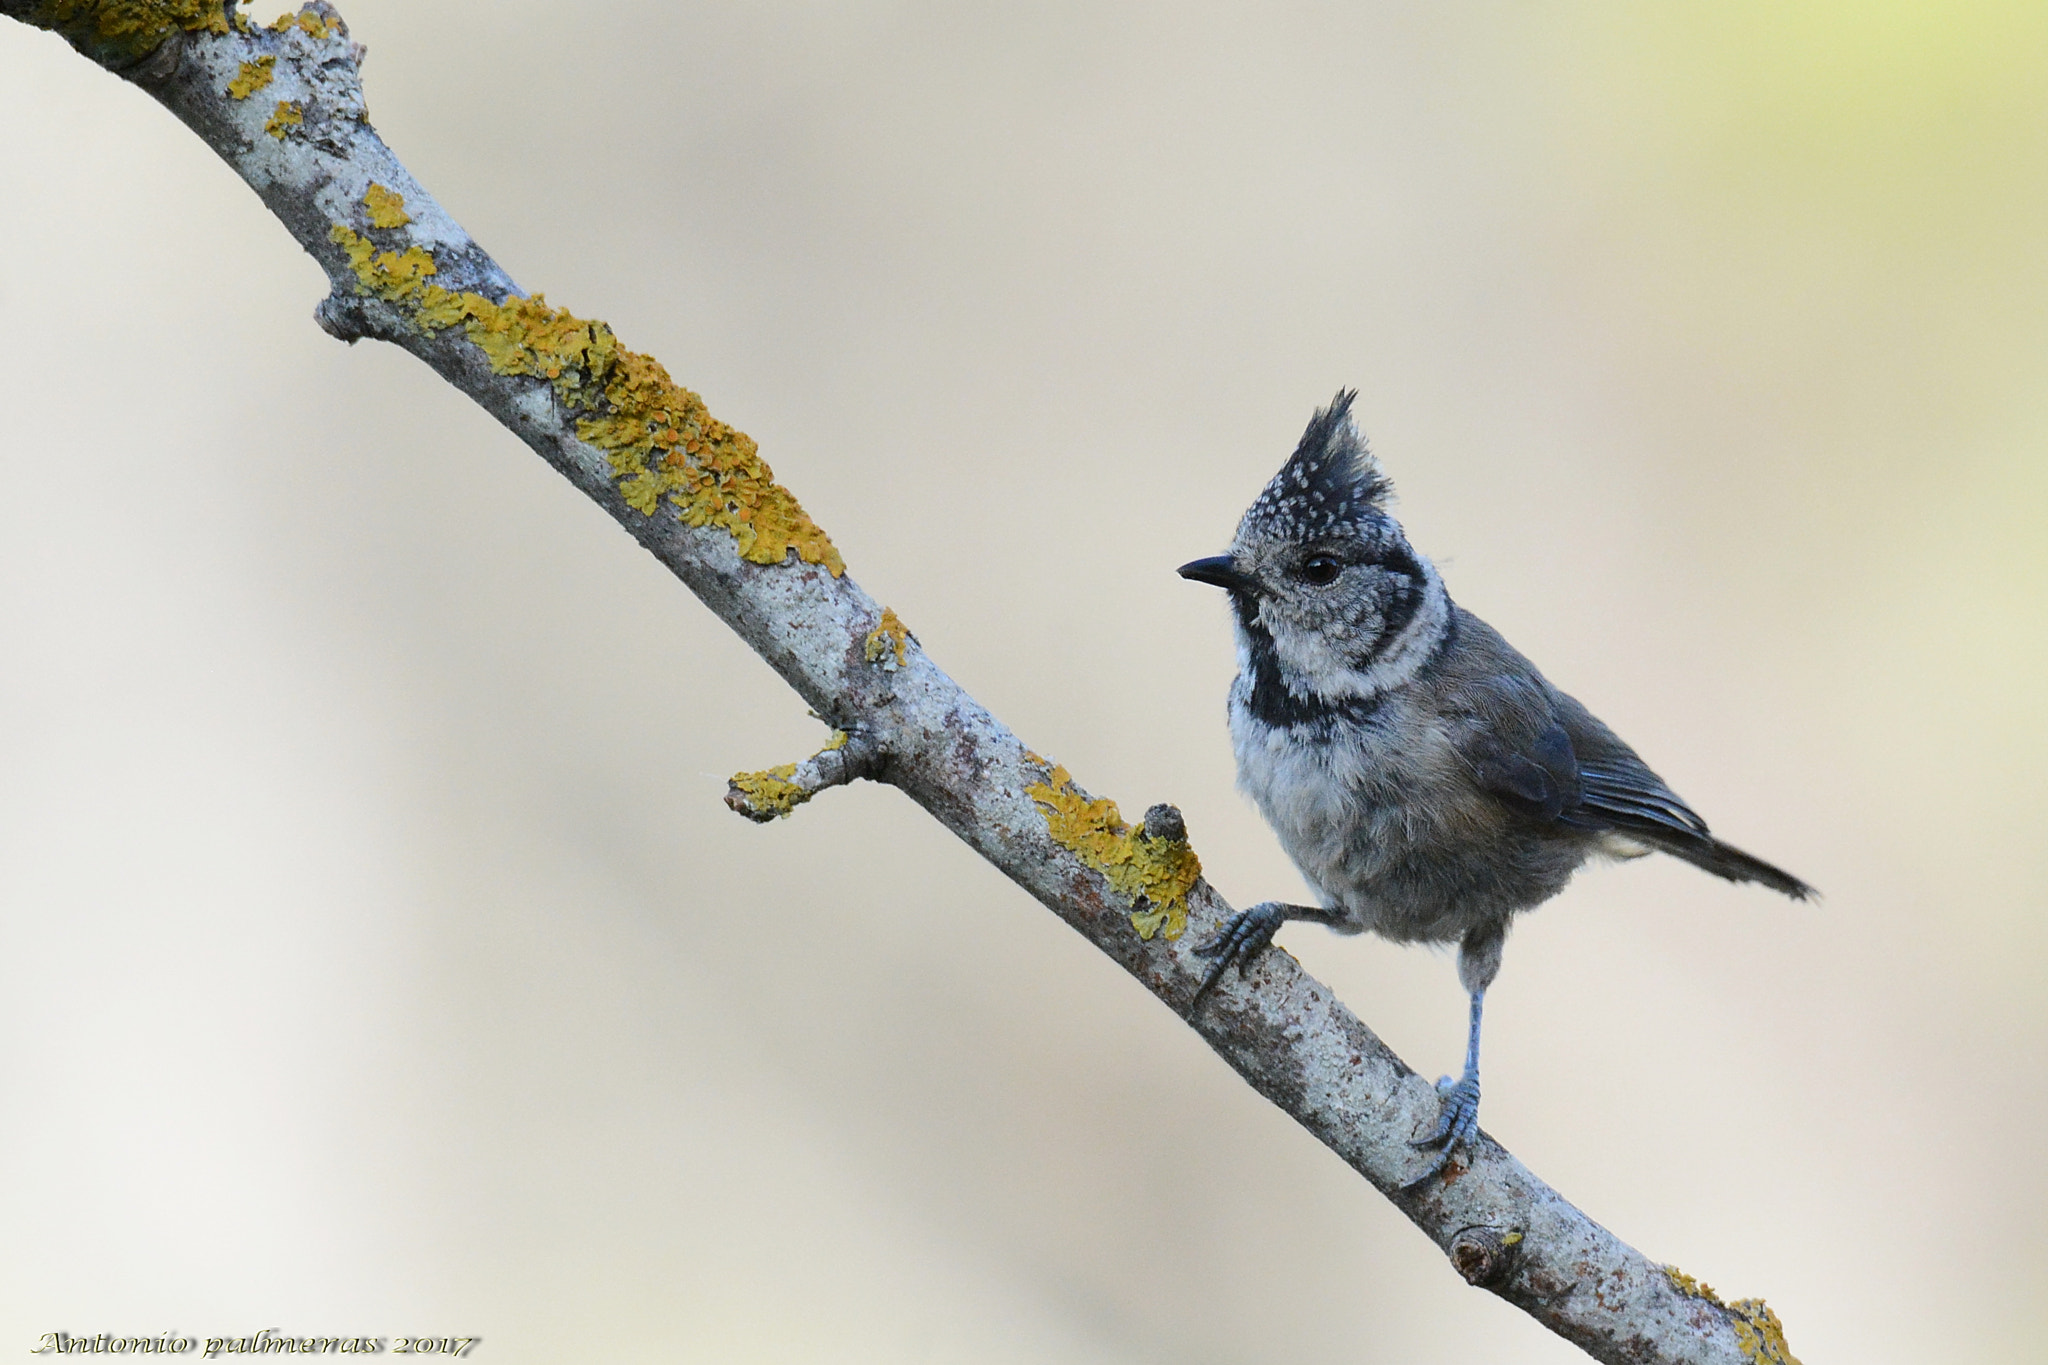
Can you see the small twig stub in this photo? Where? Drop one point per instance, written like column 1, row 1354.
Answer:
column 774, row 793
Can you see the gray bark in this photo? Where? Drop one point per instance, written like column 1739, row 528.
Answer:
column 302, row 141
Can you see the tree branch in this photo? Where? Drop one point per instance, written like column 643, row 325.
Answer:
column 283, row 106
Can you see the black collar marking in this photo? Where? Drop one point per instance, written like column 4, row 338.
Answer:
column 1271, row 701
column 1406, row 600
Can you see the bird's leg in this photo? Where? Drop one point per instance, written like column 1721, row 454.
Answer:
column 1247, row 932
column 1457, row 1115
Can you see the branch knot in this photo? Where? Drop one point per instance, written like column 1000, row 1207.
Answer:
column 1486, row 1256
column 341, row 317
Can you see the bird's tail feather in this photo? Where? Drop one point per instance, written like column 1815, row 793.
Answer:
column 1725, row 860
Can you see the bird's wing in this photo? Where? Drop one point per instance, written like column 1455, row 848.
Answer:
column 1545, row 757
column 1629, row 797
column 1504, row 722
column 1537, row 778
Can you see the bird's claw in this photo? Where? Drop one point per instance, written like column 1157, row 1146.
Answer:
column 1243, row 937
column 1457, row 1121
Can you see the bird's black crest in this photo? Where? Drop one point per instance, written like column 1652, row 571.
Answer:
column 1331, row 479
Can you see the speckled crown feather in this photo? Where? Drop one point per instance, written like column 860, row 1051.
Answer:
column 1330, row 482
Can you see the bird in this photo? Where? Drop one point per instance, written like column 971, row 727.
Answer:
column 1426, row 779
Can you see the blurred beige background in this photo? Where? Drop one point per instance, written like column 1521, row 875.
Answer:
column 380, row 959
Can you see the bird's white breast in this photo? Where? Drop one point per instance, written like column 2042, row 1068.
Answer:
column 1343, row 798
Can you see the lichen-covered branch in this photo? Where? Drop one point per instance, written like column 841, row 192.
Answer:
column 769, row 795
column 283, row 105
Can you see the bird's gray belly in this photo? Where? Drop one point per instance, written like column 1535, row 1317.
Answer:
column 1385, row 823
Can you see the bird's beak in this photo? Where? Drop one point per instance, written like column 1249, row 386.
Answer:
column 1219, row 571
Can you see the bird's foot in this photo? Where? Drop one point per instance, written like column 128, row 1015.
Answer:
column 1243, row 936
column 1457, row 1120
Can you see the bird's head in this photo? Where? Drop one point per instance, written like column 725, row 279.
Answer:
column 1326, row 589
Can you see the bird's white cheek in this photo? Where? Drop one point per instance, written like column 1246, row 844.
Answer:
column 1314, row 663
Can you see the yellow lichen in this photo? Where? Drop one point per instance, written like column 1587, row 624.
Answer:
column 288, row 115
column 1759, row 1333
column 386, row 207
column 315, row 25
column 1691, row 1288
column 663, row 445
column 771, row 792
column 1757, row 1329
column 888, row 638
column 1155, row 875
column 395, row 276
column 252, row 77
column 111, row 31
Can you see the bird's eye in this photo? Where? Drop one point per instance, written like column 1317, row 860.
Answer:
column 1321, row 570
